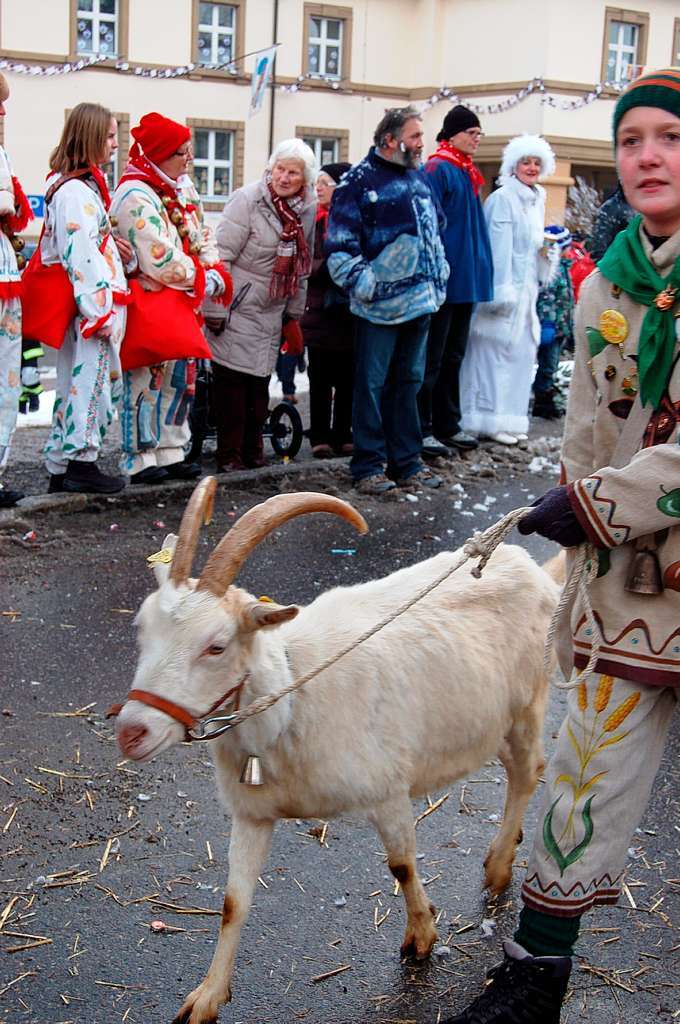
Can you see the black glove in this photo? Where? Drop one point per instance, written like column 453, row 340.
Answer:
column 554, row 518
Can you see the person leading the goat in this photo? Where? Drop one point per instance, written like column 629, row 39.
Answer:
column 621, row 464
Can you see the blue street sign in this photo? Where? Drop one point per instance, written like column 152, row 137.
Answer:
column 37, row 204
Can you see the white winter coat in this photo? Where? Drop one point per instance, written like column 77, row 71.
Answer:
column 498, row 367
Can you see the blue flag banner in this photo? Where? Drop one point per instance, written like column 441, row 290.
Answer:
column 262, row 73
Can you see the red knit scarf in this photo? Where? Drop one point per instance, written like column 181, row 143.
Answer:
column 11, row 224
column 454, row 156
column 141, row 169
column 293, row 259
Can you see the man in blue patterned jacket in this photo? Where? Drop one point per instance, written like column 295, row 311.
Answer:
column 384, row 249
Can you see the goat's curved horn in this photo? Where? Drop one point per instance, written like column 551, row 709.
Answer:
column 199, row 510
column 232, row 551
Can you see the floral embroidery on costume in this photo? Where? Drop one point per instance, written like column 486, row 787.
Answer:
column 594, row 738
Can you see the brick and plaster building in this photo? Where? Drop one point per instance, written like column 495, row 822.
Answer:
column 338, row 66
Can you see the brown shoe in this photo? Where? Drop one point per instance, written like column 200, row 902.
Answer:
column 376, row 484
column 322, row 451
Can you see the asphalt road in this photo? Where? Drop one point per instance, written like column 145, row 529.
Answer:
column 93, row 849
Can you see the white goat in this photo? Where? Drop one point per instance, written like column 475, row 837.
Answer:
column 454, row 681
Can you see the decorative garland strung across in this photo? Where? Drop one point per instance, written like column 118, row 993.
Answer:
column 123, row 66
column 536, row 85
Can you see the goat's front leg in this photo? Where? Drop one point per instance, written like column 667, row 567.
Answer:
column 394, row 822
column 248, row 850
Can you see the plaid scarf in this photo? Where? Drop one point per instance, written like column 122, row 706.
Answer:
column 625, row 264
column 293, row 259
column 446, row 151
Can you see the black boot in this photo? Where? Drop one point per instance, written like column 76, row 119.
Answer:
column 8, row 498
column 183, row 470
column 56, row 485
column 545, row 407
column 523, row 989
column 150, row 475
column 87, row 478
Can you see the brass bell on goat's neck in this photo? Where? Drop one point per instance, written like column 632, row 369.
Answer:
column 644, row 573
column 252, row 771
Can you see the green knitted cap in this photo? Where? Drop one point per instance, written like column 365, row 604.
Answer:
column 655, row 89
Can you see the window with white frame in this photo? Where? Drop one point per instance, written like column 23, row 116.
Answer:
column 216, row 33
column 325, row 47
column 325, row 150
column 97, row 27
column 623, row 49
column 676, row 44
column 213, row 162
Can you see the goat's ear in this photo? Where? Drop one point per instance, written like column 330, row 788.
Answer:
column 161, row 562
column 261, row 614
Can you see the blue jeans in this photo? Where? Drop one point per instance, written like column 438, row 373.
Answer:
column 548, row 359
column 389, row 363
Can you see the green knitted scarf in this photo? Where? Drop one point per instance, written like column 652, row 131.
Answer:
column 625, row 264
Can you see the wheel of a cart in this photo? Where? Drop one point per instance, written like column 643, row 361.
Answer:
column 285, row 425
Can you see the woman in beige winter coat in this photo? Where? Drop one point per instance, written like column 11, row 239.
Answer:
column 265, row 239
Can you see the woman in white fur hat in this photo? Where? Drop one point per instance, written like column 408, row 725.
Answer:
column 498, row 368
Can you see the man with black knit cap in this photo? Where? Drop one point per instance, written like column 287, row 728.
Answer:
column 456, row 182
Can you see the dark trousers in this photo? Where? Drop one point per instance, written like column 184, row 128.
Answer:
column 240, row 408
column 330, row 396
column 285, row 370
column 389, row 361
column 439, row 397
column 548, row 359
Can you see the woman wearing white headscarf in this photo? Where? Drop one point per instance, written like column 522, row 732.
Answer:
column 498, row 367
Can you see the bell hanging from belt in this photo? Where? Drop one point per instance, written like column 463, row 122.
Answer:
column 252, row 771
column 644, row 573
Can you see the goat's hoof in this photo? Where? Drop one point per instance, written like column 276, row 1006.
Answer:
column 418, row 945
column 201, row 1008
column 497, row 876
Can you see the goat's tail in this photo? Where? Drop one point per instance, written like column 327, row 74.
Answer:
column 556, row 568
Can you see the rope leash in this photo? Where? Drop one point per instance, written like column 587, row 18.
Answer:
column 583, row 571
column 482, row 546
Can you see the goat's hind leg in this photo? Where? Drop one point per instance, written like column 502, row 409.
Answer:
column 522, row 758
column 394, row 823
column 248, row 850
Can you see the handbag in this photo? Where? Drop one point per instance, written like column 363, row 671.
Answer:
column 161, row 326
column 48, row 303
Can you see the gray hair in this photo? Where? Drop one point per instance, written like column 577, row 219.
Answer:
column 392, row 124
column 296, row 149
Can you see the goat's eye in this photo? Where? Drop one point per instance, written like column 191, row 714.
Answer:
column 214, row 649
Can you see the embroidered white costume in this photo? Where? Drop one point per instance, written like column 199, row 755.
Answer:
column 157, row 400
column 78, row 234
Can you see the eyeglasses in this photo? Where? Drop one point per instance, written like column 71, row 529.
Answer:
column 474, row 133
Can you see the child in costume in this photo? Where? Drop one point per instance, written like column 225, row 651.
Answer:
column 621, row 462
column 77, row 235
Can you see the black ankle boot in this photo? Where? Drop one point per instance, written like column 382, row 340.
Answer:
column 523, row 989
column 56, row 484
column 87, row 478
column 185, row 470
column 150, row 475
column 8, row 498
column 545, row 407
